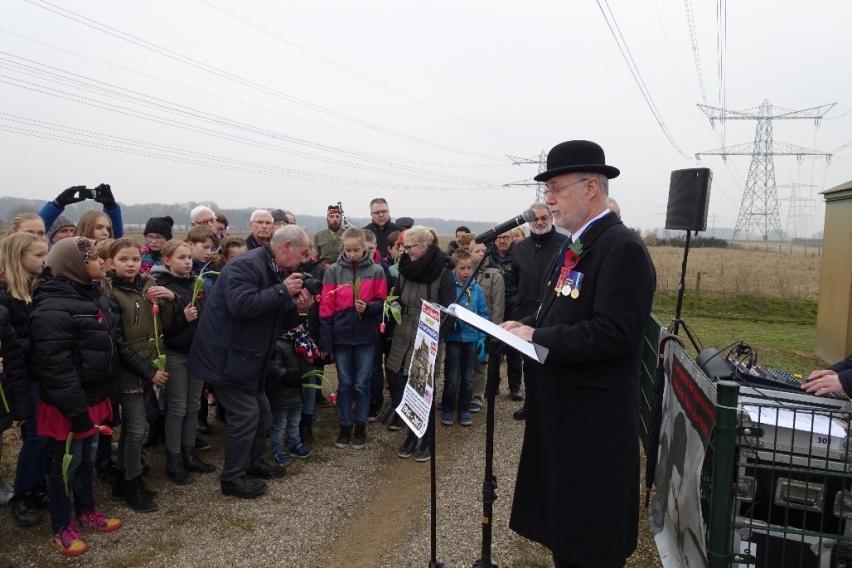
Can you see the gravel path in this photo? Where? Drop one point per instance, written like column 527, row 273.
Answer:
column 343, row 508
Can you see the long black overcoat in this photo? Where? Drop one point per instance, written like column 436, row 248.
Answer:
column 577, row 488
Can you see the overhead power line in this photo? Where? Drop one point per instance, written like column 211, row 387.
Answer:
column 358, row 74
column 91, row 139
column 611, row 23
column 696, row 55
column 100, row 90
column 189, row 61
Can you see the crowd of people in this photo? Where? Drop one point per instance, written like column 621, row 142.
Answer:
column 100, row 332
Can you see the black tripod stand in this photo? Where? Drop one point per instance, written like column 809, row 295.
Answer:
column 678, row 322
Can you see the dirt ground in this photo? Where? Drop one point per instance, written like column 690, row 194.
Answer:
column 343, row 508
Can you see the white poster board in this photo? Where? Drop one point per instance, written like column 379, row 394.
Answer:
column 420, row 388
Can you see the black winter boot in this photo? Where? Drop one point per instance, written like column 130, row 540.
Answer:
column 138, row 497
column 175, row 469
column 192, row 463
column 344, row 437
column 359, row 438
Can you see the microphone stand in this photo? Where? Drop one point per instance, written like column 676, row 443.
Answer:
column 433, row 485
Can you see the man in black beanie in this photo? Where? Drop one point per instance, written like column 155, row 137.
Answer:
column 158, row 230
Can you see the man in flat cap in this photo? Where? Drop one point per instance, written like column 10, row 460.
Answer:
column 577, row 489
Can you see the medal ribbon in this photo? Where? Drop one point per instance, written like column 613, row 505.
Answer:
column 568, row 264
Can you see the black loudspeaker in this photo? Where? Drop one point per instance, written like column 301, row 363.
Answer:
column 689, row 198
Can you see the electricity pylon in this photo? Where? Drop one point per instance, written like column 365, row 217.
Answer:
column 542, row 165
column 800, row 211
column 759, row 206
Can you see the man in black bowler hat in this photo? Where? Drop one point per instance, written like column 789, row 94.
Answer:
column 577, row 489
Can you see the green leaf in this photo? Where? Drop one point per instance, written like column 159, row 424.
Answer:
column 160, row 362
column 314, row 373
column 396, row 312
column 3, row 396
column 66, row 461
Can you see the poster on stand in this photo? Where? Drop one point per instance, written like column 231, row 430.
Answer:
column 689, row 414
column 419, row 391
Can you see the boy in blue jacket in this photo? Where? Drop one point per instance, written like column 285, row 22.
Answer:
column 460, row 344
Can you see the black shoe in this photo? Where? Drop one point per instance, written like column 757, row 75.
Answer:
column 192, row 463
column 201, row 444
column 520, row 414
column 266, row 470
column 203, row 428
column 395, row 423
column 516, row 395
column 424, row 452
column 25, row 511
column 359, row 439
column 175, row 470
column 406, row 450
column 244, row 487
column 137, row 497
column 344, row 437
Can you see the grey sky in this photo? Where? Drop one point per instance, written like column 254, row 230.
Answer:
column 509, row 78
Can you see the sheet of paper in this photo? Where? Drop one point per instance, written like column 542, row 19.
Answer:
column 528, row 348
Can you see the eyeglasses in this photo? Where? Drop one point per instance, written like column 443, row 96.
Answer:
column 542, row 219
column 556, row 190
column 407, row 248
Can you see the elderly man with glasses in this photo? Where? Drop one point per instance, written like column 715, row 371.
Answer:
column 530, row 260
column 577, row 490
column 261, row 225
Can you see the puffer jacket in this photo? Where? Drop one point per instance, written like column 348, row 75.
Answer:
column 179, row 333
column 340, row 324
column 19, row 314
column 75, row 344
column 137, row 319
column 13, row 379
column 284, row 375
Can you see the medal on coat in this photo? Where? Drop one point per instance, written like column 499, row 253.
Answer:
column 564, row 284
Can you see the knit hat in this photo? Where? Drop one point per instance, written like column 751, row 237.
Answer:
column 334, row 209
column 278, row 216
column 161, row 226
column 405, row 222
column 60, row 223
column 68, row 258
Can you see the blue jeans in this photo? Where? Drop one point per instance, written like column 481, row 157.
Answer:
column 285, row 419
column 458, row 376
column 32, row 459
column 80, row 481
column 354, row 369
column 309, row 396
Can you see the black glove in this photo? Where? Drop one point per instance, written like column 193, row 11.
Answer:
column 104, row 195
column 81, row 423
column 71, row 195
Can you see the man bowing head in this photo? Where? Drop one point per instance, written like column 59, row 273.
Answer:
column 577, row 489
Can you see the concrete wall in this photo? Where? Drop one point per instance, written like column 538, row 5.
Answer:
column 834, row 318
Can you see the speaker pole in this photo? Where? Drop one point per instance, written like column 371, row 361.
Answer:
column 678, row 322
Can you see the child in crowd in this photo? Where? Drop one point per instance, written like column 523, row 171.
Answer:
column 27, row 223
column 134, row 297
column 461, row 343
column 494, row 289
column 21, row 262
column 73, row 354
column 231, row 247
column 203, row 243
column 354, row 290
column 94, row 225
column 284, row 390
column 183, row 390
column 158, row 230
column 377, row 379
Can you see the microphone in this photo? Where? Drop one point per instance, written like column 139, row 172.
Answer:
column 492, row 234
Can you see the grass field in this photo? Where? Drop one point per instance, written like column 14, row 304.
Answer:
column 748, row 272
column 783, row 330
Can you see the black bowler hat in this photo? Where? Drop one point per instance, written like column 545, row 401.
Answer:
column 576, row 156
